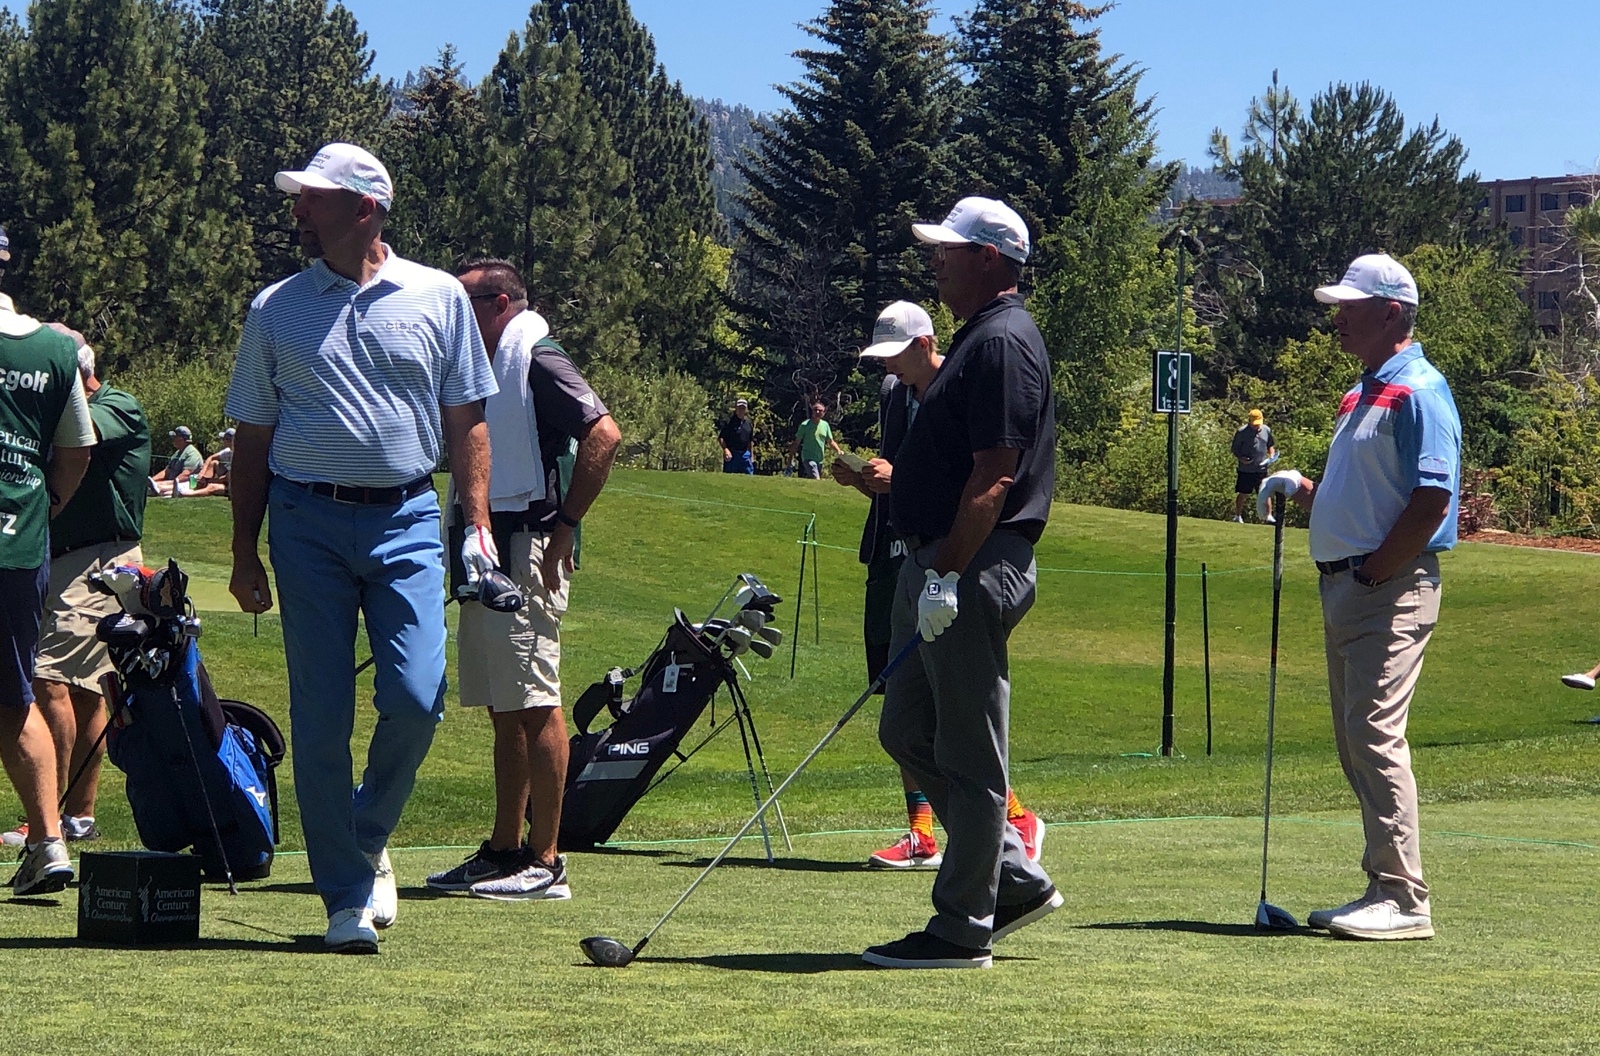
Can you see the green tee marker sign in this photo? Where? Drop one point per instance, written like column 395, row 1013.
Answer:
column 1169, row 383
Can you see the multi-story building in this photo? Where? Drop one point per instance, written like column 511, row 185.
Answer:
column 1534, row 212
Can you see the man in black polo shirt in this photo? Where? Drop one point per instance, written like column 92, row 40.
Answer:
column 736, row 436
column 970, row 496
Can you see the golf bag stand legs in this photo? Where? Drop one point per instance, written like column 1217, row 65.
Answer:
column 743, row 714
column 216, row 834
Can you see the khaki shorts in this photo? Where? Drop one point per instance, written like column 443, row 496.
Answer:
column 511, row 661
column 68, row 650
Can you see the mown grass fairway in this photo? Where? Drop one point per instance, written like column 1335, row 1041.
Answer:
column 1152, row 952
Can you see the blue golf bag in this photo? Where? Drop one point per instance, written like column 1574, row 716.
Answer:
column 199, row 769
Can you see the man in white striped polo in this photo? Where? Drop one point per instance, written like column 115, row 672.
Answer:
column 348, row 377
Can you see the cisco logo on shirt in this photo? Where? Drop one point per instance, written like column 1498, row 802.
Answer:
column 400, row 326
column 32, row 380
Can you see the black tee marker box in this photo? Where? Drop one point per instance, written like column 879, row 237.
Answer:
column 138, row 898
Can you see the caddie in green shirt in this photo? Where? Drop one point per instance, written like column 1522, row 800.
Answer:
column 45, row 436
column 811, row 440
column 99, row 529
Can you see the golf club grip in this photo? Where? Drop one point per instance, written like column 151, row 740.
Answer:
column 882, row 678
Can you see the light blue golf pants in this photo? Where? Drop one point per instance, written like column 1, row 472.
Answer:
column 332, row 560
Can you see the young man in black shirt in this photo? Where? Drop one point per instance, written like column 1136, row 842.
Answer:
column 971, row 494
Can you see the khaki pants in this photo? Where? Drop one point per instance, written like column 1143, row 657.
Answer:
column 1375, row 637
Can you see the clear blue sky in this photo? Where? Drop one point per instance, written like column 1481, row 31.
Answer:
column 1515, row 82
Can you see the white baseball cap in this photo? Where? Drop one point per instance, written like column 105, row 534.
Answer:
column 898, row 325
column 983, row 222
column 1372, row 275
column 342, row 167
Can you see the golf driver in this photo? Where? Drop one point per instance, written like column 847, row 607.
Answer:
column 614, row 953
column 1268, row 916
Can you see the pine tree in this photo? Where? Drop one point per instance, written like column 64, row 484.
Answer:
column 434, row 150
column 1348, row 179
column 554, row 196
column 837, row 180
column 655, row 128
column 283, row 78
column 120, row 224
column 1043, row 103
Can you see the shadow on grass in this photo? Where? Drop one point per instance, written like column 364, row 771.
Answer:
column 797, row 865
column 306, row 888
column 295, row 944
column 1193, row 927
column 784, row 963
column 627, row 852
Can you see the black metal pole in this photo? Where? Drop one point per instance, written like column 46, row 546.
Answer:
column 799, row 601
column 1205, row 633
column 816, row 587
column 1172, row 533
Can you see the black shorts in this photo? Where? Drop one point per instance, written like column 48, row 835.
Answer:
column 22, row 594
column 1249, row 481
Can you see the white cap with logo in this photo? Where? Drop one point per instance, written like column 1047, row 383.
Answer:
column 898, row 325
column 1372, row 275
column 982, row 222
column 341, row 167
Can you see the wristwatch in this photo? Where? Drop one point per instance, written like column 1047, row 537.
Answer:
column 1364, row 580
column 561, row 515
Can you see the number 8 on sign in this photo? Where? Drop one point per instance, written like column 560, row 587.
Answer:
column 1170, row 374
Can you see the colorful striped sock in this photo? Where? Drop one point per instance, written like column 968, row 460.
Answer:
column 920, row 814
column 1014, row 807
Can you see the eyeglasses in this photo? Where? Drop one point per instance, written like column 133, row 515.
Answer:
column 482, row 296
column 942, row 248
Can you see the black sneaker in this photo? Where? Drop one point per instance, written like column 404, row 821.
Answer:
column 529, row 880
column 922, row 950
column 1009, row 918
column 485, row 863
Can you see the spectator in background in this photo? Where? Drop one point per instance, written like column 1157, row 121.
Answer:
column 1252, row 447
column 811, row 441
column 184, row 462
column 213, row 476
column 738, row 437
column 5, row 258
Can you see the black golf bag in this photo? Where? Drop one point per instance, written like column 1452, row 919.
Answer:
column 611, row 769
column 200, row 771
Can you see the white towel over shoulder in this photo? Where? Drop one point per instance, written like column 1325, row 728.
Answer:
column 516, row 470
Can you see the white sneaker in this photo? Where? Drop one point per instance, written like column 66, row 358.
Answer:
column 1578, row 681
column 1238, row 520
column 46, row 868
column 1381, row 920
column 385, row 898
column 351, row 931
column 1318, row 920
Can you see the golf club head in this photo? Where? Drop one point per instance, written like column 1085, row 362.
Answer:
column 737, row 639
column 1272, row 918
column 761, row 647
column 607, row 952
column 758, row 596
column 499, row 592
column 771, row 635
column 755, row 619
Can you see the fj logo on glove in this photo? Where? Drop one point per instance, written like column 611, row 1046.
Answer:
column 934, row 589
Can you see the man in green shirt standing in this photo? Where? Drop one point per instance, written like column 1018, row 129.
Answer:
column 98, row 529
column 45, row 436
column 811, row 441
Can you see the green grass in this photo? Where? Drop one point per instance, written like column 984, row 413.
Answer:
column 763, row 960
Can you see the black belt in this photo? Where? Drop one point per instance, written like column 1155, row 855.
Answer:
column 64, row 551
column 360, row 496
column 1333, row 568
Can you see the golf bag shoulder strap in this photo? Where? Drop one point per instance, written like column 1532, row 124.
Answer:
column 604, row 694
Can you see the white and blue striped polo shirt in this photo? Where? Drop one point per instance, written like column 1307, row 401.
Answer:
column 352, row 378
column 1398, row 430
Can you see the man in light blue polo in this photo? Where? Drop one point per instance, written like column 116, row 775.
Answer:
column 349, row 376
column 1385, row 510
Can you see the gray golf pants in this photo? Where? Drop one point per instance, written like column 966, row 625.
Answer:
column 945, row 717
column 1375, row 639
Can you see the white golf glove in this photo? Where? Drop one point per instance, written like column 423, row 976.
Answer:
column 937, row 604
column 478, row 554
column 1285, row 482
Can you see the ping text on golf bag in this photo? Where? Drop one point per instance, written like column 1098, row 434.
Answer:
column 199, row 770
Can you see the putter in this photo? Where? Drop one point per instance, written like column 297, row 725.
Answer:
column 1268, row 916
column 607, row 952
